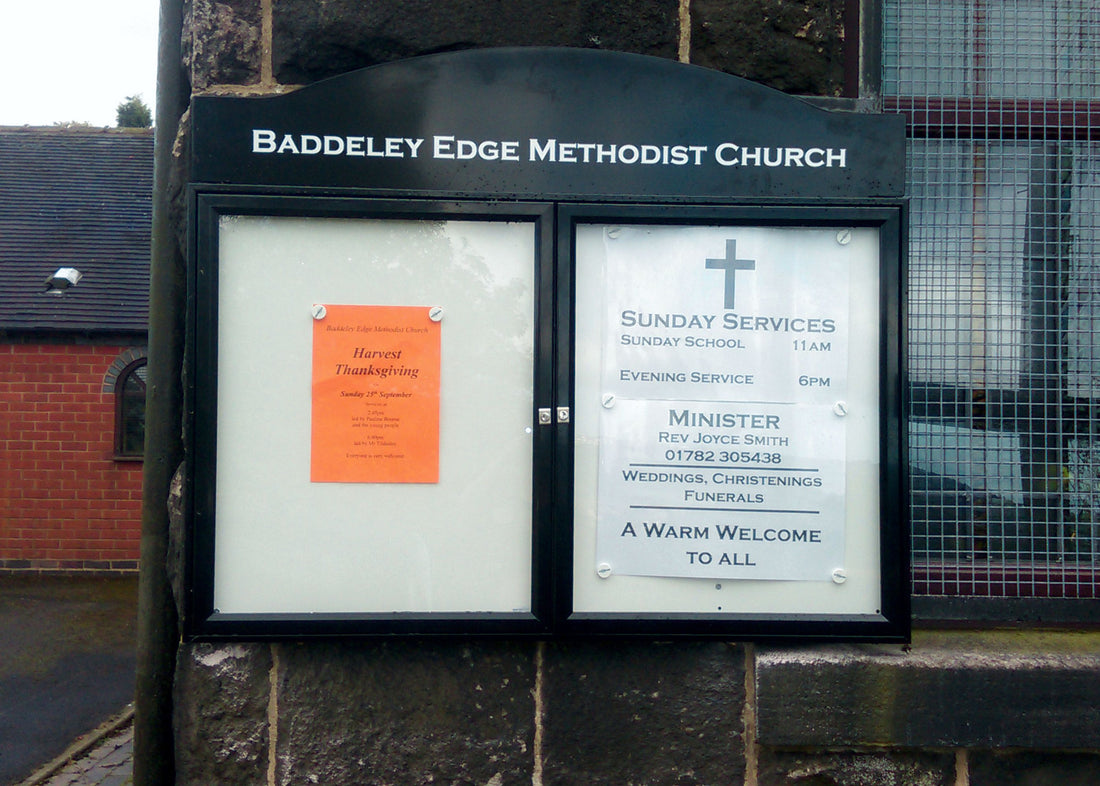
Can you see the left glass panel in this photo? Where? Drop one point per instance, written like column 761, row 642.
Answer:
column 330, row 496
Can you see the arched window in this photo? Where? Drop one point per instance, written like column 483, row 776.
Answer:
column 130, row 411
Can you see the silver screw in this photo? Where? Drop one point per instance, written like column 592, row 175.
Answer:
column 840, row 576
column 318, row 311
column 840, row 408
column 603, row 570
column 608, row 400
column 844, row 237
column 545, row 417
column 435, row 313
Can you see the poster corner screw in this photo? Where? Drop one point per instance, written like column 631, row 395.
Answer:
column 840, row 576
column 435, row 313
column 603, row 570
column 318, row 311
column 844, row 237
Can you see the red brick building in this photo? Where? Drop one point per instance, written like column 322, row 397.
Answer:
column 75, row 208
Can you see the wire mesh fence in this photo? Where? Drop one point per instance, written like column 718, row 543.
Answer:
column 1003, row 102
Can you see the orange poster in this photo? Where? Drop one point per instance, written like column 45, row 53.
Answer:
column 375, row 395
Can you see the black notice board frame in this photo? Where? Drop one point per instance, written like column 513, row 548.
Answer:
column 202, row 620
column 597, row 98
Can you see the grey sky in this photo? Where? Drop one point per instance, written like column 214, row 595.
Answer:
column 74, row 60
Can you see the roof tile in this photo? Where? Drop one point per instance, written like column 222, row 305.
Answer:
column 75, row 197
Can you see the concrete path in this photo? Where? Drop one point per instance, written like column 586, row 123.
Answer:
column 67, row 658
column 104, row 757
column 111, row 763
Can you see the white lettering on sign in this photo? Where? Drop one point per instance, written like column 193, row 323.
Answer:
column 729, row 154
column 269, row 142
column 466, row 149
column 450, row 147
column 553, row 151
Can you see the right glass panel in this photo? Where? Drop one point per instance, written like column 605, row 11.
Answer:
column 727, row 426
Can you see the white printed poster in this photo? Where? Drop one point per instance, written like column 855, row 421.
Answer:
column 723, row 375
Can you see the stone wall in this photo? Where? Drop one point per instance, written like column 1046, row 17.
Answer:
column 951, row 709
column 263, row 46
column 992, row 709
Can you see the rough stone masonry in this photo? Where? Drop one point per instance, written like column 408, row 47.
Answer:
column 954, row 708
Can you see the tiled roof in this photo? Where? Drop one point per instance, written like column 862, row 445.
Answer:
column 81, row 198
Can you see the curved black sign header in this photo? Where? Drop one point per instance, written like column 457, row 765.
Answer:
column 548, row 124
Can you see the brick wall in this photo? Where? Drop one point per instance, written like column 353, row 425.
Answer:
column 65, row 502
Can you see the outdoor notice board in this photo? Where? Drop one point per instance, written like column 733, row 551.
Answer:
column 474, row 356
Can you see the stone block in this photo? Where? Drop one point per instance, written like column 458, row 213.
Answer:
column 856, row 769
column 1004, row 768
column 793, row 47
column 396, row 712
column 984, row 690
column 643, row 713
column 221, row 704
column 222, row 42
column 317, row 40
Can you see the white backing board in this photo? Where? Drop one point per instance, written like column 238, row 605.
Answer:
column 284, row 544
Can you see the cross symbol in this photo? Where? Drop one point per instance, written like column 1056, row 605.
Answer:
column 731, row 264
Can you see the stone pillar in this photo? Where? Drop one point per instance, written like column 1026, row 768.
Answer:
column 475, row 712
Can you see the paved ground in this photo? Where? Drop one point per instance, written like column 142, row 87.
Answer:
column 66, row 664
column 110, row 763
